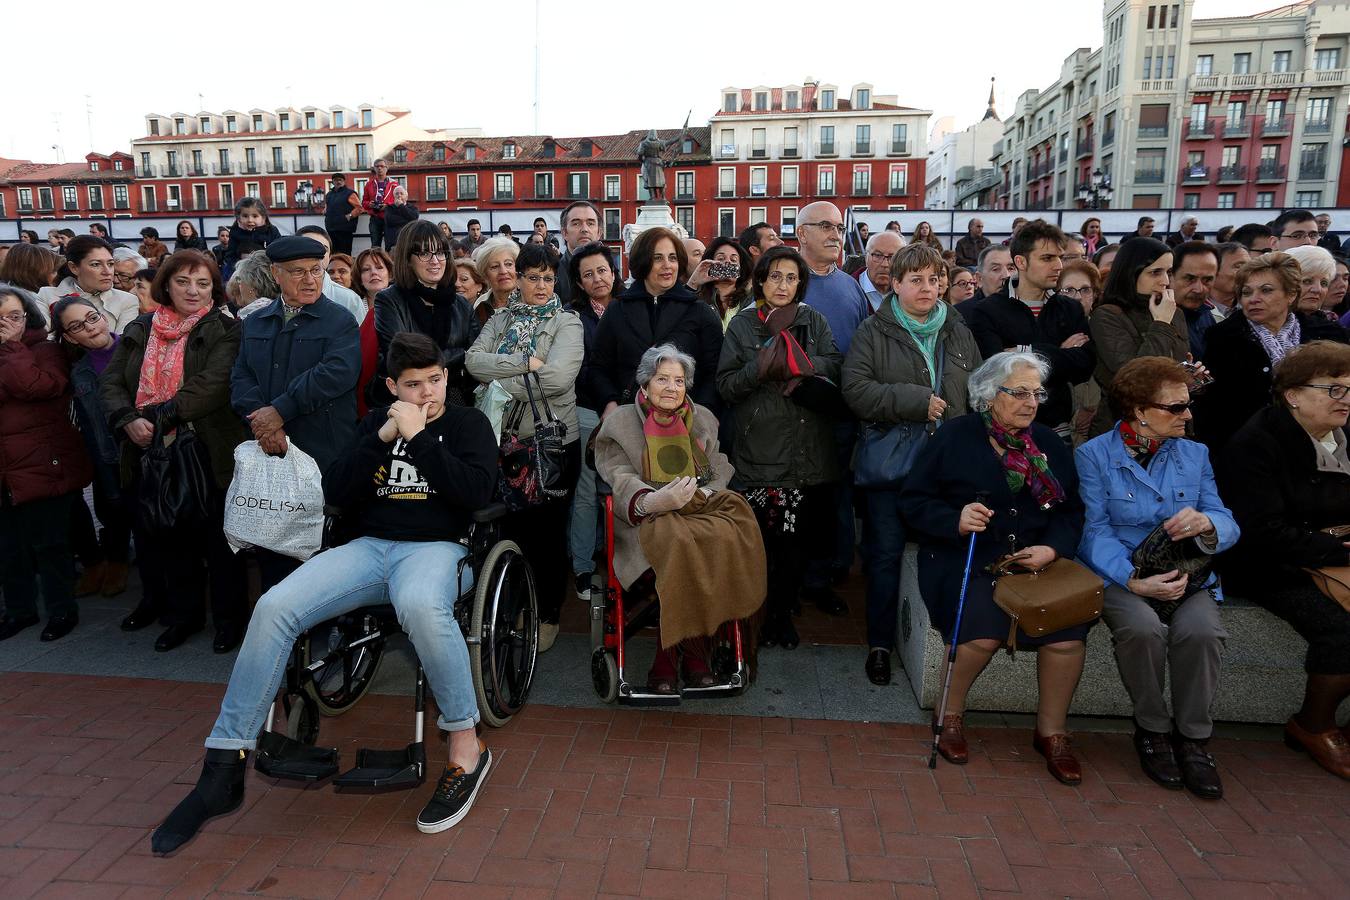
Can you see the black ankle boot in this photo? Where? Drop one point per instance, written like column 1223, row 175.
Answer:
column 219, row 790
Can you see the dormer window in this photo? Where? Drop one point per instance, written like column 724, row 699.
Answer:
column 154, row 126
column 311, row 121
column 550, row 148
column 367, row 118
column 688, row 146
column 117, row 165
column 438, row 153
column 93, row 166
column 400, row 154
column 729, row 102
column 179, row 126
column 791, row 100
column 587, row 147
column 257, row 123
column 339, row 119
column 761, row 101
column 827, row 99
column 284, row 122
column 205, row 123
column 508, row 150
column 231, row 124
column 471, row 153
column 864, row 99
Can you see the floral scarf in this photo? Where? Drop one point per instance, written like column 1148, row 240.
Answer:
column 926, row 334
column 1278, row 344
column 1024, row 465
column 526, row 320
column 671, row 449
column 1142, row 448
column 162, row 368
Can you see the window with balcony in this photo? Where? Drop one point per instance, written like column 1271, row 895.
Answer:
column 504, row 186
column 1242, row 63
column 684, row 185
column 1327, row 59
column 1204, row 65
column 1235, row 124
column 1199, row 119
column 466, row 187
column 790, row 143
column 304, row 160
column 508, row 150
column 726, row 223
column 199, row 201
column 787, row 221
column 825, row 181
column 174, row 198
column 435, row 188
column 1276, row 121
column 543, row 185
column 730, row 102
column 789, row 181
column 827, row 140
column 862, row 181
column 759, row 181
column 1148, row 62
column 172, row 163
column 222, row 162
column 613, row 187
column 1312, row 162
column 759, row 146
column 1148, row 166
column 95, row 196
column 900, row 139
column 827, row 99
column 250, row 161
column 226, row 195
column 1153, row 120
column 1279, row 61
column 121, row 197
column 862, row 140
column 280, row 200
column 148, row 202
column 1318, row 117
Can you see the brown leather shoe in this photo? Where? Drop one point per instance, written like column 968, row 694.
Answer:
column 1331, row 749
column 952, row 743
column 1059, row 759
column 91, row 580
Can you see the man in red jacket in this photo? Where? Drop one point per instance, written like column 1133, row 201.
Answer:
column 378, row 193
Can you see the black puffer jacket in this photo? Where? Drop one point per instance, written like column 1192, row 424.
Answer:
column 393, row 314
column 778, row 443
column 626, row 332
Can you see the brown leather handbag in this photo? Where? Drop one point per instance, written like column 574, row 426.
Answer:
column 1043, row 601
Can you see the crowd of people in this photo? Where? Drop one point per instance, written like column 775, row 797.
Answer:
column 1054, row 397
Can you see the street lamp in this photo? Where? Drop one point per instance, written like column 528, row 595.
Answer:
column 1096, row 193
column 307, row 198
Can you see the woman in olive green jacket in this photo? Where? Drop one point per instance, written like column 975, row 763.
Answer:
column 909, row 362
column 784, row 445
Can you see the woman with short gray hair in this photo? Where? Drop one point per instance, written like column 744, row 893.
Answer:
column 660, row 456
column 1318, row 268
column 1002, row 476
column 252, row 286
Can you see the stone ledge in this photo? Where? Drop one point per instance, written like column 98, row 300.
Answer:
column 1262, row 678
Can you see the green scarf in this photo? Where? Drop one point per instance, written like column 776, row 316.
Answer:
column 925, row 334
column 526, row 320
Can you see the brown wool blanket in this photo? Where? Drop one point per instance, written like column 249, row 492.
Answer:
column 709, row 564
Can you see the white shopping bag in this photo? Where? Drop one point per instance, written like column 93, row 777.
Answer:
column 275, row 502
column 492, row 400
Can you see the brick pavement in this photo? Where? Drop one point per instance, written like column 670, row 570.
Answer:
column 652, row 803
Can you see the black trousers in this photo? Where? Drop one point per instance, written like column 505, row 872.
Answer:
column 35, row 549
column 541, row 532
column 113, row 542
column 342, row 241
column 376, row 231
column 185, row 569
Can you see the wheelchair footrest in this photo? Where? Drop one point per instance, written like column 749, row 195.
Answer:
column 386, row 768
column 278, row 756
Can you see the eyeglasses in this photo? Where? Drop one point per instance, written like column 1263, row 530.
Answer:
column 540, row 279
column 779, row 277
column 17, row 318
column 88, row 321
column 837, row 229
column 1175, row 409
column 881, row 257
column 427, row 255
column 1334, row 391
column 1077, row 292
column 1299, row 235
column 315, row 273
column 1022, row 395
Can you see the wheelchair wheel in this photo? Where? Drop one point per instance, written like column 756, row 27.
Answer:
column 605, row 675
column 506, row 623
column 350, row 662
column 302, row 719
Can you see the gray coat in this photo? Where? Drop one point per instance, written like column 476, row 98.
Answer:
column 619, row 446
column 778, row 442
column 560, row 343
column 886, row 378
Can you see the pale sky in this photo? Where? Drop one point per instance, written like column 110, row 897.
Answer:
column 620, row 65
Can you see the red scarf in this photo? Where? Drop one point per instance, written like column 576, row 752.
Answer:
column 1142, row 448
column 162, row 367
column 782, row 358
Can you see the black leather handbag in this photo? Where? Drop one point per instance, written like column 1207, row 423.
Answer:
column 531, row 468
column 177, row 487
column 1158, row 553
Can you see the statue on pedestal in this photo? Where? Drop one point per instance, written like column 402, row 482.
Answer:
column 652, row 155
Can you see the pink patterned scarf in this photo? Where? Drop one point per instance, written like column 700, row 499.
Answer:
column 162, row 368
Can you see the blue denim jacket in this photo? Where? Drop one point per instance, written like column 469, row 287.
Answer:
column 1124, row 502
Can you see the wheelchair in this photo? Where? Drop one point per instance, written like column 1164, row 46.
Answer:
column 333, row 665
column 618, row 614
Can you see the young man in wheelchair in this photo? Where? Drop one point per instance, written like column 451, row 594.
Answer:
column 408, row 486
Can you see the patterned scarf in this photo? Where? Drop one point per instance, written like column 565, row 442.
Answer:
column 1142, row 448
column 597, row 307
column 162, row 368
column 671, row 450
column 781, row 357
column 1024, row 465
column 1277, row 345
column 925, row 334
column 526, row 320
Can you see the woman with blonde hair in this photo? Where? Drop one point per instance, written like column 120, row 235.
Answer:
column 495, row 262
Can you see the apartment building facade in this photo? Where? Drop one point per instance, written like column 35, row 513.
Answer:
column 101, row 185
column 775, row 149
column 1235, row 112
column 958, row 170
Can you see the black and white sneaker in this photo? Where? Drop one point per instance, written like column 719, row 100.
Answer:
column 454, row 795
column 584, row 587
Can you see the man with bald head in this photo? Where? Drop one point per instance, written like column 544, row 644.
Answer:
column 969, row 248
column 876, row 278
column 695, row 248
column 820, row 234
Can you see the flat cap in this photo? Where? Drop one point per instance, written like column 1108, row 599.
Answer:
column 294, row 247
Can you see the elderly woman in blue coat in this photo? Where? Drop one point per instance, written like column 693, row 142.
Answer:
column 1138, row 476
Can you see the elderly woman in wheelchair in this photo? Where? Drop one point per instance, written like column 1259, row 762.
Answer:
column 673, row 517
column 409, row 488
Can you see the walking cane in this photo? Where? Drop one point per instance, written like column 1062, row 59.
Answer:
column 951, row 652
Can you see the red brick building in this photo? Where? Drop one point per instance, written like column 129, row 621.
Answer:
column 101, row 186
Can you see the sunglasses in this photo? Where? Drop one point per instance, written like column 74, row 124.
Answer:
column 1175, row 409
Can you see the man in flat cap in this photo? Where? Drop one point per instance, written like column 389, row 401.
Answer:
column 296, row 373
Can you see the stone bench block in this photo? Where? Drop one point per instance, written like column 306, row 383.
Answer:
column 1262, row 677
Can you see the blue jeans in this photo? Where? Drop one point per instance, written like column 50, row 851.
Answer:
column 416, row 577
column 583, row 530
column 883, row 552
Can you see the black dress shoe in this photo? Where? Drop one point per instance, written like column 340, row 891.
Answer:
column 1157, row 758
column 1198, row 769
column 12, row 625
column 143, row 616
column 788, row 638
column 878, row 667
column 60, row 626
column 827, row 601
column 227, row 638
column 174, row 636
